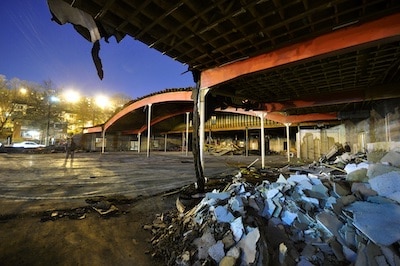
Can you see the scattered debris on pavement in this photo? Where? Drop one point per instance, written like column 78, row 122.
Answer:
column 106, row 207
column 342, row 210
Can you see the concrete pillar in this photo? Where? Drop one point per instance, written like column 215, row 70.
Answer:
column 187, row 133
column 202, row 111
column 247, row 142
column 139, row 141
column 165, row 142
column 183, row 142
column 148, row 128
column 288, row 141
column 298, row 142
column 103, row 140
column 262, row 116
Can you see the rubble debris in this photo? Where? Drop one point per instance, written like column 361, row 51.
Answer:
column 379, row 222
column 105, row 206
column 74, row 214
column 305, row 216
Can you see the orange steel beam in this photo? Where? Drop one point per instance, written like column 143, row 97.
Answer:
column 157, row 98
column 295, row 119
column 164, row 117
column 282, row 118
column 355, row 35
column 373, row 93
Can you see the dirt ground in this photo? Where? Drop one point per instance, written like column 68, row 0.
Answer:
column 80, row 235
column 93, row 240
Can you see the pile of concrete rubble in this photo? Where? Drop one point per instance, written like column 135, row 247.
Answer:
column 307, row 216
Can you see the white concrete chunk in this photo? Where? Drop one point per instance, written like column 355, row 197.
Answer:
column 353, row 167
column 223, row 215
column 203, row 244
column 281, row 180
column 387, row 185
column 248, row 246
column 297, row 178
column 216, row 251
column 237, row 229
column 288, row 217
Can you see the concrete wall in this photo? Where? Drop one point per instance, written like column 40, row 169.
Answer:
column 314, row 143
column 381, row 131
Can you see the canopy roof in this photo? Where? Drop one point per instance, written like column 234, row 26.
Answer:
column 297, row 58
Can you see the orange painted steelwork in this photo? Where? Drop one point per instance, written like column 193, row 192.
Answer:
column 175, row 96
column 282, row 118
column 355, row 35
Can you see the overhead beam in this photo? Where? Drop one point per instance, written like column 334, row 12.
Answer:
column 157, row 98
column 282, row 118
column 387, row 28
column 381, row 92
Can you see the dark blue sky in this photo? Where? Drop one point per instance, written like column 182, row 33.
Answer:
column 34, row 48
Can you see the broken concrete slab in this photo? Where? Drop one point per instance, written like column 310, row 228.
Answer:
column 248, row 246
column 331, row 224
column 387, row 185
column 379, row 222
column 223, row 215
column 380, row 169
column 203, row 244
column 237, row 229
column 359, row 175
column 392, row 158
column 216, row 251
column 363, row 189
column 351, row 167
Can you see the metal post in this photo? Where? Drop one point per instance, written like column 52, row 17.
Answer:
column 187, row 133
column 103, row 141
column 183, row 142
column 165, row 142
column 288, row 141
column 262, row 116
column 202, row 110
column 298, row 143
column 148, row 129
column 247, row 142
column 139, row 141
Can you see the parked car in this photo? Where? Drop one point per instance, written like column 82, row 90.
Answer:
column 28, row 145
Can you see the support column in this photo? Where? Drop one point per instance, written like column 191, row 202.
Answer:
column 183, row 142
column 165, row 142
column 202, row 111
column 103, row 141
column 139, row 141
column 298, row 143
column 262, row 116
column 187, row 133
column 288, row 141
column 247, row 142
column 148, row 128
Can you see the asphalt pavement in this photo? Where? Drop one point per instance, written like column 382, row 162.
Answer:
column 40, row 182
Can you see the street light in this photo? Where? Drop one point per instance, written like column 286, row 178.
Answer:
column 102, row 102
column 72, row 96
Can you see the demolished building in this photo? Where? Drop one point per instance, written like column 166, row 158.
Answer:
column 326, row 72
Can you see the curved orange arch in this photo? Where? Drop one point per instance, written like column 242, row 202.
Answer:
column 157, row 98
column 164, row 117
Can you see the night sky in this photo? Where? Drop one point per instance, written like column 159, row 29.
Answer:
column 34, row 48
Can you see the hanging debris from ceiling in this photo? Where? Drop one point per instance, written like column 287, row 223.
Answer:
column 86, row 26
